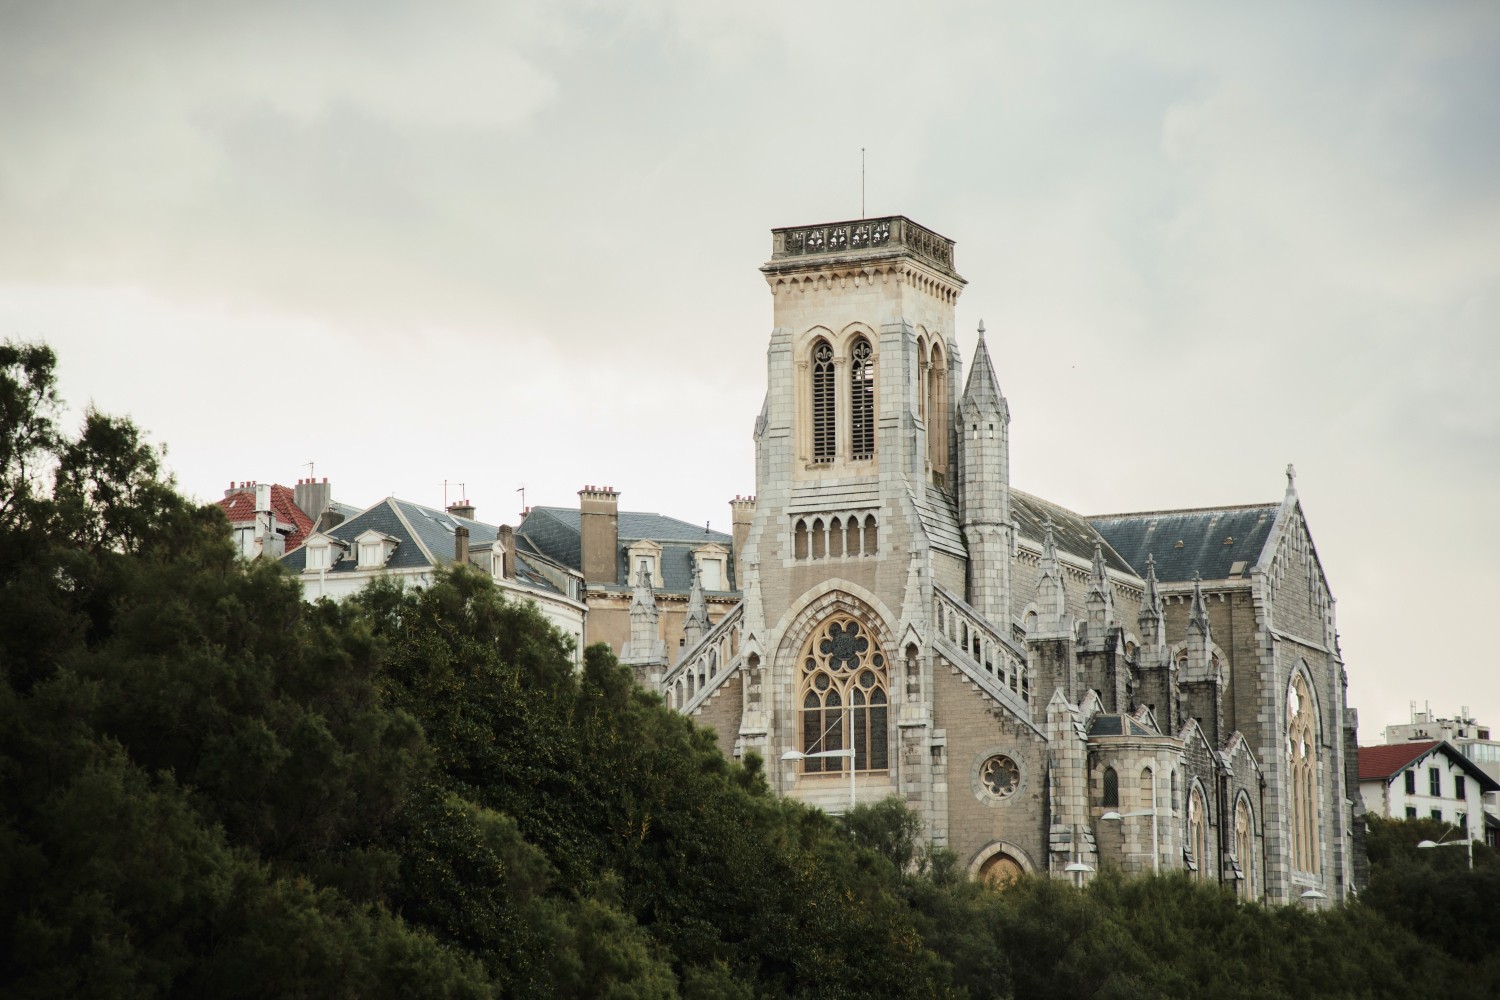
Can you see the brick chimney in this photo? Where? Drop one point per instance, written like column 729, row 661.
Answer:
column 741, row 513
column 461, row 508
column 507, row 542
column 313, row 497
column 461, row 545
column 599, row 533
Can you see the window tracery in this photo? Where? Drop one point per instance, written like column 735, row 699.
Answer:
column 844, row 695
column 861, row 401
column 824, row 437
column 1244, row 847
column 1198, row 831
column 1302, row 773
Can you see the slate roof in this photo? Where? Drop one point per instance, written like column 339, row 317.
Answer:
column 1189, row 542
column 554, row 532
column 424, row 536
column 1072, row 532
column 939, row 517
column 1118, row 725
column 1381, row 763
column 239, row 507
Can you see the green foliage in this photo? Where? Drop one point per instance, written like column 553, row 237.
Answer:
column 211, row 788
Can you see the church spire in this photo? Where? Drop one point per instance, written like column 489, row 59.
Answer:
column 696, row 626
column 984, row 489
column 983, row 388
column 1198, row 616
column 1100, row 599
column 1153, row 609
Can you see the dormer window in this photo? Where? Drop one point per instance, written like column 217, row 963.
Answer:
column 318, row 555
column 713, row 562
column 644, row 553
column 374, row 549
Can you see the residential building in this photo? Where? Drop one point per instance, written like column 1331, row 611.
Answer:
column 1468, row 736
column 1426, row 779
column 265, row 518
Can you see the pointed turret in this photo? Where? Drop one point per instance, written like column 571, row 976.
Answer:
column 1198, row 617
column 696, row 626
column 984, row 488
column 1100, row 599
column 646, row 652
column 1152, row 618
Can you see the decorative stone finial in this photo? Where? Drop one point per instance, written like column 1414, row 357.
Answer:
column 981, row 328
column 1291, row 476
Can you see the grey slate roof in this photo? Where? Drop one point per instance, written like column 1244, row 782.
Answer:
column 554, row 532
column 429, row 531
column 1118, row 725
column 939, row 517
column 983, row 389
column 1072, row 532
column 1189, row 542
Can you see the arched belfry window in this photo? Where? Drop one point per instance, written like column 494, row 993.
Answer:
column 844, row 685
column 861, row 400
column 937, row 411
column 1302, row 773
column 824, row 435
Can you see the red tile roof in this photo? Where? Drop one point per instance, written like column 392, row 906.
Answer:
column 1385, row 761
column 240, row 508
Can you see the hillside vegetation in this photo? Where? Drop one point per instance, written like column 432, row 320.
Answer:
column 212, row 788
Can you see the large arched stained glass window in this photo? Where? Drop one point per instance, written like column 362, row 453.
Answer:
column 1302, row 773
column 824, row 438
column 844, row 685
column 1197, row 819
column 1244, row 847
column 861, row 400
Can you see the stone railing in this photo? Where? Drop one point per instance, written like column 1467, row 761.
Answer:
column 996, row 664
column 704, row 667
column 861, row 235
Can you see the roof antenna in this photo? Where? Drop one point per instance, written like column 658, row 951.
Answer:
column 522, row 491
column 309, row 470
column 861, row 182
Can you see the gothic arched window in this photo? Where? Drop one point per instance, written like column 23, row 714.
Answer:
column 937, row 411
column 1302, row 773
column 844, row 684
column 824, row 437
column 1244, row 847
column 1198, row 830
column 861, row 400
column 1111, row 789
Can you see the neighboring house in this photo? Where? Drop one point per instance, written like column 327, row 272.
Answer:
column 1013, row 671
column 609, row 547
column 1428, row 779
column 1472, row 740
column 410, row 542
column 265, row 519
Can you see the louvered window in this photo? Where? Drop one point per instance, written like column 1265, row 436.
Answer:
column 862, row 401
column 822, row 403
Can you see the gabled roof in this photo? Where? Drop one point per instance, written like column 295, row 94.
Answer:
column 1216, row 542
column 1382, row 763
column 424, row 536
column 239, row 507
column 1114, row 724
column 554, row 532
column 1072, row 532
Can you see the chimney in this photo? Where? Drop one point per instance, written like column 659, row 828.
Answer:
column 461, row 508
column 461, row 545
column 313, row 497
column 328, row 520
column 599, row 533
column 507, row 543
column 741, row 513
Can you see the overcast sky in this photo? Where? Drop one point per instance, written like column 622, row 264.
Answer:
column 516, row 244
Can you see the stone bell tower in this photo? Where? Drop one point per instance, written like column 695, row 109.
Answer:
column 856, row 515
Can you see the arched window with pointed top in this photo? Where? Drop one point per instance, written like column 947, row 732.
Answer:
column 861, row 400
column 844, row 695
column 937, row 412
column 1197, row 830
column 1302, row 768
column 824, row 430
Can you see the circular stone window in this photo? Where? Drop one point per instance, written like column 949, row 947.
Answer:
column 999, row 776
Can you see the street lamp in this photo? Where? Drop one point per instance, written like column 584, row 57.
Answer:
column 849, row 752
column 1469, row 843
column 1116, row 817
column 1311, row 897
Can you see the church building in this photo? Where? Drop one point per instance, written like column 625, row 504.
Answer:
column 1048, row 691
